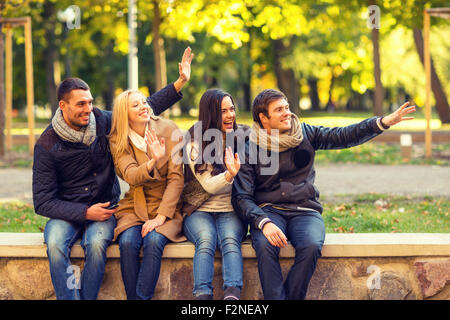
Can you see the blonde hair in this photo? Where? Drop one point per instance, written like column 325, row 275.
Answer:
column 118, row 137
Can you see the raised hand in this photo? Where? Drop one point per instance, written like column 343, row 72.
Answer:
column 184, row 66
column 399, row 115
column 157, row 148
column 232, row 163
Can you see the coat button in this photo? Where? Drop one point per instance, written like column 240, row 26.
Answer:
column 95, row 174
column 283, row 193
column 86, row 189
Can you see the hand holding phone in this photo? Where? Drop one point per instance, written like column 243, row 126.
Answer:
column 113, row 206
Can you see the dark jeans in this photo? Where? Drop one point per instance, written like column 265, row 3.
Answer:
column 139, row 278
column 96, row 236
column 306, row 232
column 209, row 230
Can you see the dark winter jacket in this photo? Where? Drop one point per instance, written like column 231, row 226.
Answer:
column 291, row 186
column 70, row 177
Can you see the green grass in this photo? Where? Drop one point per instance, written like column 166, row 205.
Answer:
column 367, row 213
column 373, row 213
column 381, row 153
column 20, row 217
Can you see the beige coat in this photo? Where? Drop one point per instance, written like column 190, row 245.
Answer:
column 155, row 192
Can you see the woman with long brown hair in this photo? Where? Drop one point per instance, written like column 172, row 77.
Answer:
column 212, row 222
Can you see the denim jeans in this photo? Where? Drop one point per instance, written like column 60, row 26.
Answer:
column 96, row 236
column 140, row 278
column 306, row 232
column 209, row 230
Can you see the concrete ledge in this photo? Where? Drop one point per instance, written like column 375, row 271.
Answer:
column 356, row 266
column 336, row 245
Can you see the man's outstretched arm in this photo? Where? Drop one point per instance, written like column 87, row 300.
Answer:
column 355, row 134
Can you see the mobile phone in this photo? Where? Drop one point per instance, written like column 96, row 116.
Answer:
column 112, row 206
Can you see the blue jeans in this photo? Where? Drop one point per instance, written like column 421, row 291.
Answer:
column 209, row 230
column 140, row 278
column 96, row 236
column 306, row 232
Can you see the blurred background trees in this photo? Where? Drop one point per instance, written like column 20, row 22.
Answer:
column 320, row 54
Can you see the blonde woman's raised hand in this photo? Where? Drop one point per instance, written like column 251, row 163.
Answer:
column 157, row 147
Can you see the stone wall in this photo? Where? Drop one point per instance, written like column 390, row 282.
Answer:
column 335, row 279
column 363, row 278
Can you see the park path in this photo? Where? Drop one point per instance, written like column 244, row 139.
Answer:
column 331, row 180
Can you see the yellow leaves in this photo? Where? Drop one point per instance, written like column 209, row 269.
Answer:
column 121, row 38
column 282, row 20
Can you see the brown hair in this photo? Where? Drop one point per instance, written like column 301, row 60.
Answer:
column 69, row 84
column 210, row 116
column 261, row 103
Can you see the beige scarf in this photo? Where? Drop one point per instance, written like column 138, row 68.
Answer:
column 138, row 141
column 278, row 142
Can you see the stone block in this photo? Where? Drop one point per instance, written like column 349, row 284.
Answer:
column 331, row 281
column 391, row 286
column 433, row 275
column 31, row 278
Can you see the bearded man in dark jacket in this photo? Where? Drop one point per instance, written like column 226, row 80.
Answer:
column 75, row 185
column 274, row 189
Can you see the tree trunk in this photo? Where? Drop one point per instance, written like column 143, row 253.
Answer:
column 51, row 54
column 314, row 94
column 158, row 48
column 286, row 79
column 2, row 98
column 247, row 74
column 379, row 92
column 442, row 106
column 108, row 94
column 331, row 106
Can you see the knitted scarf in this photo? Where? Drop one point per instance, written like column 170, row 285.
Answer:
column 278, row 142
column 85, row 135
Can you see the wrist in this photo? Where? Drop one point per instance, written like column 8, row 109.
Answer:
column 151, row 164
column 383, row 123
column 263, row 222
column 179, row 83
column 229, row 176
column 161, row 218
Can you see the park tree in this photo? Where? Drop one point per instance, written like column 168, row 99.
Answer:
column 409, row 14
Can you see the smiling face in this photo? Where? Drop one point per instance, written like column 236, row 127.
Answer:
column 77, row 108
column 228, row 114
column 279, row 116
column 138, row 110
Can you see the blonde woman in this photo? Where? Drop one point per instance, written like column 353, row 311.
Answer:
column 149, row 215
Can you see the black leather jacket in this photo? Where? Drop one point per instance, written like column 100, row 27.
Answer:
column 291, row 186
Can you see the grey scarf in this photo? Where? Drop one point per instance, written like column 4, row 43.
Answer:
column 278, row 143
column 86, row 135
